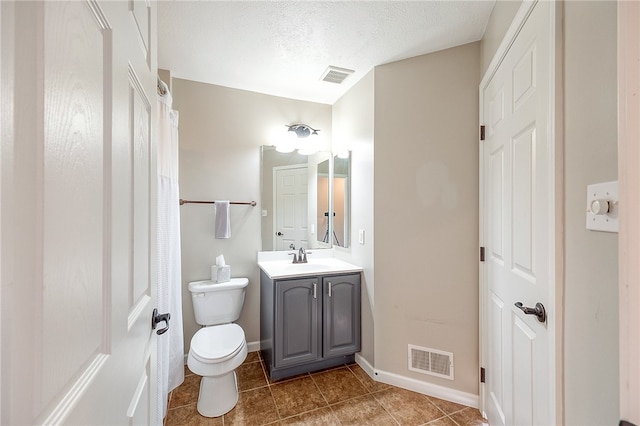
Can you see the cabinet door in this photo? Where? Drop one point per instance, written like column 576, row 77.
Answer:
column 296, row 336
column 341, row 319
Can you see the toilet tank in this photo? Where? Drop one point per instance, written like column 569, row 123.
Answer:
column 217, row 303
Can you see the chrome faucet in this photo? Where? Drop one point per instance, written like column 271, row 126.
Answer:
column 301, row 257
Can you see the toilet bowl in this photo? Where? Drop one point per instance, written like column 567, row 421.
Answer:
column 220, row 346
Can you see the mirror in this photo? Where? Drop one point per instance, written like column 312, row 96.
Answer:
column 291, row 217
column 342, row 200
column 296, row 200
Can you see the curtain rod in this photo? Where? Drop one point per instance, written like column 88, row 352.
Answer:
column 249, row 203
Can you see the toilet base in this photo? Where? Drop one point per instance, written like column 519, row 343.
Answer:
column 218, row 395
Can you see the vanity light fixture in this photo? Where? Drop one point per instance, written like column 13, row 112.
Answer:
column 291, row 142
column 302, row 130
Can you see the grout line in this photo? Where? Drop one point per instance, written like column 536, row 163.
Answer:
column 275, row 404
column 319, row 390
column 451, row 418
column 387, row 411
column 304, row 412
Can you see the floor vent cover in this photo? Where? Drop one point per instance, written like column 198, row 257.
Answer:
column 431, row 361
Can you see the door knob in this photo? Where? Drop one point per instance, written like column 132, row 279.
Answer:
column 538, row 311
column 157, row 318
column 279, row 234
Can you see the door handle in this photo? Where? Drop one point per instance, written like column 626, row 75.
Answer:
column 330, row 288
column 538, row 311
column 279, row 234
column 314, row 290
column 157, row 318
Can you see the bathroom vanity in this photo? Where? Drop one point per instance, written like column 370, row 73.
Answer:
column 309, row 315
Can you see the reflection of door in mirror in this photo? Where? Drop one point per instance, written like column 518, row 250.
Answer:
column 290, row 206
column 322, row 220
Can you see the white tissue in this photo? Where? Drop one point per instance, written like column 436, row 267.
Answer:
column 221, row 272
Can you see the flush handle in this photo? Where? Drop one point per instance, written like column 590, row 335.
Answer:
column 538, row 311
column 157, row 318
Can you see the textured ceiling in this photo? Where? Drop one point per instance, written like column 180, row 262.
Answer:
column 282, row 48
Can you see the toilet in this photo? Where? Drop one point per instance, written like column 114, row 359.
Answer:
column 219, row 347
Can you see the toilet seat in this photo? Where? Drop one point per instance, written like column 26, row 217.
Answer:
column 217, row 343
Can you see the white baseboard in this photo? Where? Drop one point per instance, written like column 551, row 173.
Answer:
column 364, row 364
column 253, row 346
column 425, row 388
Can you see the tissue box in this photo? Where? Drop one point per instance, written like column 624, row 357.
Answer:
column 221, row 274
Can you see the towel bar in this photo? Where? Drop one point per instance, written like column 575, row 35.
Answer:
column 245, row 203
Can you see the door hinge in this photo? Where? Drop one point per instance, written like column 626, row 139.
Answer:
column 481, row 254
column 482, row 373
column 482, row 132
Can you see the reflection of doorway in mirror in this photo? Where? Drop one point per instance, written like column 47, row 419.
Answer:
column 322, row 211
column 290, row 207
column 339, row 199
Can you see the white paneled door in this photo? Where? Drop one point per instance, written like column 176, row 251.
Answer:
column 517, row 174
column 78, row 197
column 291, row 186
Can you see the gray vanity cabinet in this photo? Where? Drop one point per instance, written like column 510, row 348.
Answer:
column 341, row 315
column 309, row 323
column 296, row 322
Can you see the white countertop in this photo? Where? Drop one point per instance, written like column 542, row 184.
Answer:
column 320, row 262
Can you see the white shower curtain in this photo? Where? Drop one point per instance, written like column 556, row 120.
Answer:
column 170, row 344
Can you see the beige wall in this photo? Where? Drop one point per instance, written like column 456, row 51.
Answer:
column 426, row 211
column 353, row 116
column 221, row 131
column 499, row 22
column 591, row 287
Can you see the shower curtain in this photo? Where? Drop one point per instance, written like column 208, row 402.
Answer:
column 170, row 345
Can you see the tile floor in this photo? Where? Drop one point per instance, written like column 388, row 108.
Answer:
column 341, row 396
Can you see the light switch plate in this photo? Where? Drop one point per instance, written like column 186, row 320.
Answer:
column 361, row 236
column 602, row 192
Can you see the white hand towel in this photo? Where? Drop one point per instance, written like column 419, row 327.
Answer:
column 223, row 219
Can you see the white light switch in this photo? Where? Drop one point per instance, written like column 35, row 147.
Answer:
column 312, row 231
column 264, row 213
column 602, row 207
column 361, row 236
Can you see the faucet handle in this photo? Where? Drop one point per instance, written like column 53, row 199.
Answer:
column 295, row 260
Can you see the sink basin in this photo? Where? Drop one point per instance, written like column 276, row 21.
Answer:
column 323, row 266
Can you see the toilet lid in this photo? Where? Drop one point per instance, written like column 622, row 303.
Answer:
column 217, row 343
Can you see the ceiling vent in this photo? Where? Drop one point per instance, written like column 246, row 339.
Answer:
column 335, row 74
